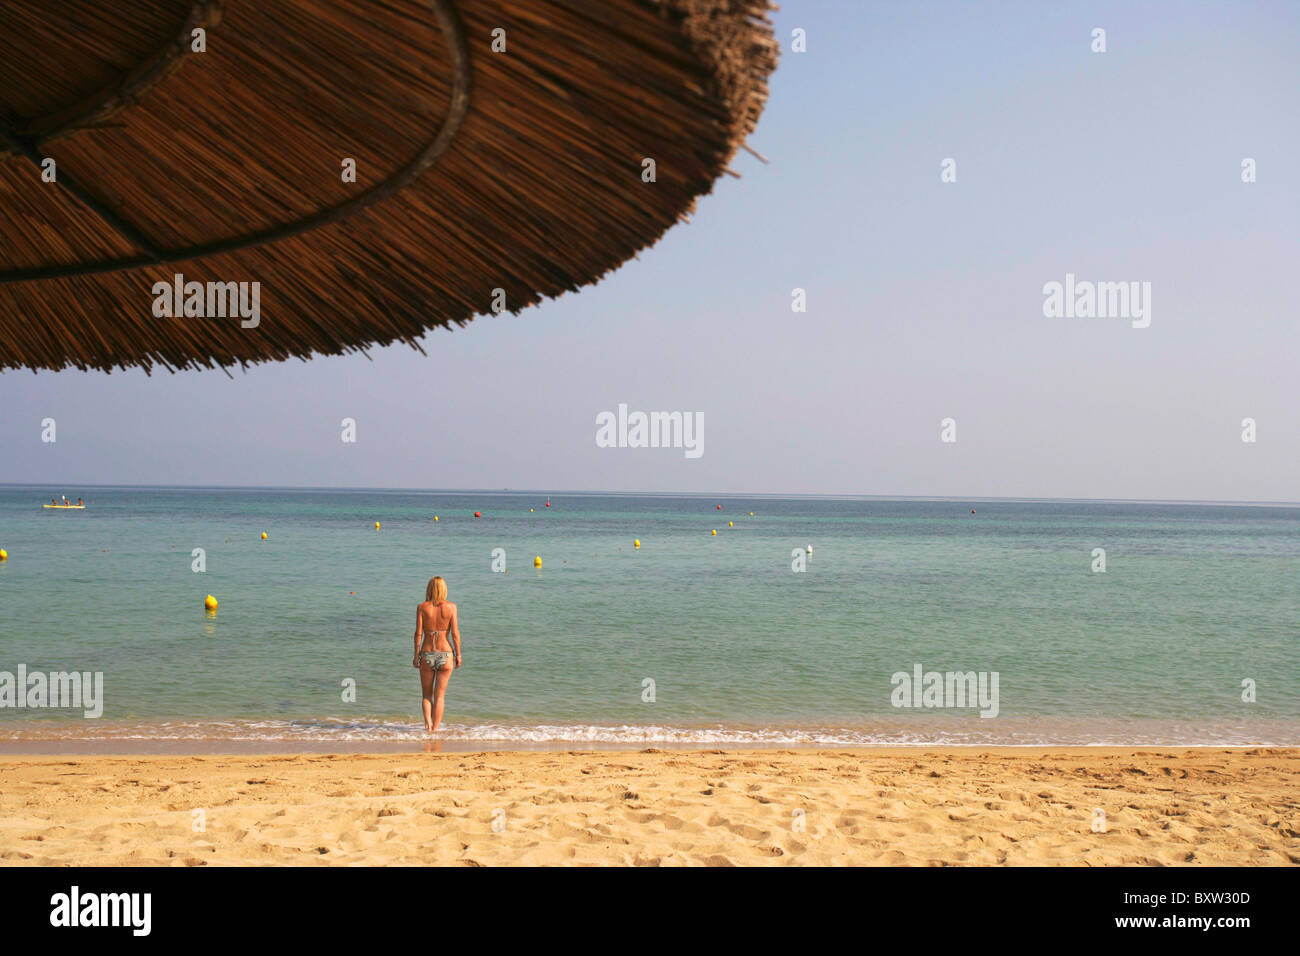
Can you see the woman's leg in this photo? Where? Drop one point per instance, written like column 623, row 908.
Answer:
column 440, row 694
column 426, row 692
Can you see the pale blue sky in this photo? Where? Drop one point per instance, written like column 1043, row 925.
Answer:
column 924, row 298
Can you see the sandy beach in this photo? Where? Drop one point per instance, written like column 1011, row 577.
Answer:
column 897, row 806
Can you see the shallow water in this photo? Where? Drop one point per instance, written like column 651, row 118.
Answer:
column 741, row 649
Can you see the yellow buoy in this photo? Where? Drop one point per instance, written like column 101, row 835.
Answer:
column 751, row 514
column 4, row 555
column 210, row 603
column 531, row 510
column 263, row 535
column 715, row 530
column 731, row 524
column 537, row 561
column 435, row 517
column 376, row 525
column 636, row 542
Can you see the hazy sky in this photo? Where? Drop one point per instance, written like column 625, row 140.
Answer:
column 924, row 298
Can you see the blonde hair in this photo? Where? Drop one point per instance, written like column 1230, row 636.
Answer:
column 436, row 591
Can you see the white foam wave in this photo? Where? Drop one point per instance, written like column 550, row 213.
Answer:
column 551, row 736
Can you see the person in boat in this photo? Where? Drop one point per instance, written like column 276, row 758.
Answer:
column 80, row 503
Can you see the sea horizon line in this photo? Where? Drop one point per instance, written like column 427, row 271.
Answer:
column 596, row 493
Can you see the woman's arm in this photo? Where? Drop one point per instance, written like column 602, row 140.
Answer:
column 416, row 661
column 455, row 633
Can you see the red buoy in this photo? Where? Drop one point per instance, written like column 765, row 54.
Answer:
column 478, row 514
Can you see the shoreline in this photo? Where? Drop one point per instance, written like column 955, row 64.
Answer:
column 396, row 735
column 476, row 748
column 217, row 747
column 659, row 806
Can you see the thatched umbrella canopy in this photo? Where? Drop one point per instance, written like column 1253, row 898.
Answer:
column 484, row 177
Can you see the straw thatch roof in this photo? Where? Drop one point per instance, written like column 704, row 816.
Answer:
column 475, row 170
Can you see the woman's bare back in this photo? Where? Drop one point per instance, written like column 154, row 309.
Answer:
column 436, row 620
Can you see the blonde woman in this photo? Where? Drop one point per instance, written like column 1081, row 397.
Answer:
column 436, row 620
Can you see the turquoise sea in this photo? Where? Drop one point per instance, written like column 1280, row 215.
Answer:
column 693, row 639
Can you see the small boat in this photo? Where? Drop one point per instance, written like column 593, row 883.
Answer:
column 61, row 507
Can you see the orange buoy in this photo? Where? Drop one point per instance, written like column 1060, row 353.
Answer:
column 478, row 514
